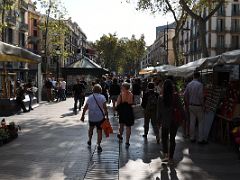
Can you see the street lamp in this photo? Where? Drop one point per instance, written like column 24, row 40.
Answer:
column 58, row 53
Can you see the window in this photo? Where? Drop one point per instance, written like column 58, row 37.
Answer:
column 235, row 10
column 22, row 16
column 21, row 39
column 235, row 42
column 35, row 22
column 220, row 41
column 220, row 25
column 9, row 35
column 35, row 33
column 235, row 27
column 221, row 11
column 35, row 47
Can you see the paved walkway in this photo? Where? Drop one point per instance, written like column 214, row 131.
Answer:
column 52, row 145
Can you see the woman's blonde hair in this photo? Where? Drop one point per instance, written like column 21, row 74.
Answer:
column 97, row 88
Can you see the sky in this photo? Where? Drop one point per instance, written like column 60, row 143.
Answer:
column 98, row 17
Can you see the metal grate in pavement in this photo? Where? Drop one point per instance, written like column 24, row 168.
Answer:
column 105, row 165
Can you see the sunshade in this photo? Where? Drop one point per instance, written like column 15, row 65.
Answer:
column 230, row 57
column 147, row 70
column 10, row 53
column 189, row 68
column 164, row 68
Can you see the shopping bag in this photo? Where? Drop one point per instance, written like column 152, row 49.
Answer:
column 107, row 128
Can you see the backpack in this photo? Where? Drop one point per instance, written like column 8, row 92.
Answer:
column 152, row 102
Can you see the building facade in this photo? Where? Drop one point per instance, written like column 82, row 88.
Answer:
column 222, row 33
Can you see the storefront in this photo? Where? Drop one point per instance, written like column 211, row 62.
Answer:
column 220, row 76
column 10, row 53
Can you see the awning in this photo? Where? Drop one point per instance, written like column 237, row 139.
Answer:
column 10, row 53
column 230, row 57
column 188, row 69
column 164, row 68
column 84, row 62
column 147, row 70
column 85, row 66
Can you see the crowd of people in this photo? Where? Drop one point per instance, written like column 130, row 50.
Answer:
column 56, row 90
column 159, row 98
column 23, row 89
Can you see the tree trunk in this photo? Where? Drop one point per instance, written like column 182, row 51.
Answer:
column 175, row 49
column 203, row 42
column 3, row 20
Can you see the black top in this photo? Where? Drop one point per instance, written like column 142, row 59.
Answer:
column 48, row 84
column 136, row 89
column 114, row 89
column 145, row 97
column 78, row 89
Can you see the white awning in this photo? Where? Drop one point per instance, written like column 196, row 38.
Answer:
column 230, row 57
column 198, row 65
column 164, row 68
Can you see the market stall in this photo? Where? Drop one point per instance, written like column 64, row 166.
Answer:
column 84, row 67
column 10, row 53
column 188, row 69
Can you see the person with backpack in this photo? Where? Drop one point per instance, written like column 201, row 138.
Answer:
column 149, row 104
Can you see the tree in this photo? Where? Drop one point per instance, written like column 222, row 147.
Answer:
column 5, row 6
column 167, row 6
column 53, row 27
column 120, row 55
column 195, row 11
column 180, row 9
column 135, row 49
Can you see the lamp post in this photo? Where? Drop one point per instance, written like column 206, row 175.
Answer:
column 58, row 52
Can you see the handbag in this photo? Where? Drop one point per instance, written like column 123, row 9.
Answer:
column 105, row 124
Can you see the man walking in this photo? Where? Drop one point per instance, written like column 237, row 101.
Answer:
column 78, row 91
column 149, row 103
column 193, row 95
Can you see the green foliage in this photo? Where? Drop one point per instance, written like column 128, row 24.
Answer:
column 5, row 6
column 54, row 25
column 120, row 55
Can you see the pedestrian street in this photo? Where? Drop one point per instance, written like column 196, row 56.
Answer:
column 52, row 145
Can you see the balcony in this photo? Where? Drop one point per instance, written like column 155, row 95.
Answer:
column 11, row 20
column 23, row 26
column 235, row 30
column 24, row 5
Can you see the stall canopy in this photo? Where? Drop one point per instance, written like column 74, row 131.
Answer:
column 85, row 66
column 10, row 53
column 147, row 70
column 188, row 69
column 230, row 57
column 164, row 68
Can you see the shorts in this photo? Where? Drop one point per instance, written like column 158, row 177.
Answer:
column 96, row 124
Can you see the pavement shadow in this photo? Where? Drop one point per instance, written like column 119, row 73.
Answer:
column 144, row 156
column 47, row 149
column 68, row 114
